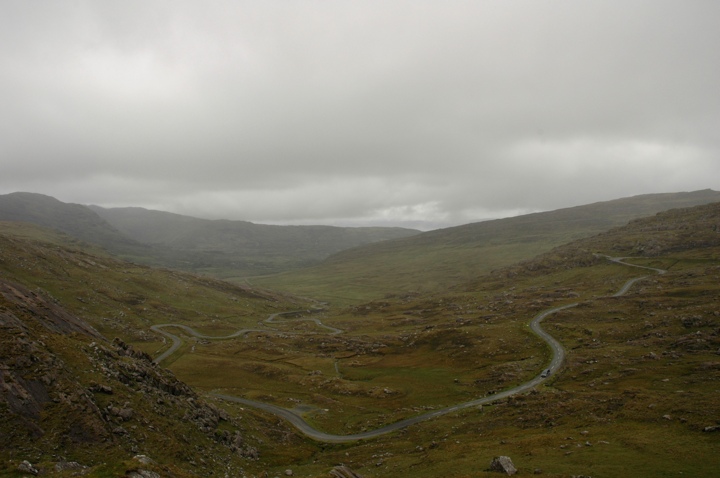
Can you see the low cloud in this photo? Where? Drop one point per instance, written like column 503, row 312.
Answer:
column 358, row 113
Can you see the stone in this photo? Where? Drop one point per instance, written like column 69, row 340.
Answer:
column 69, row 465
column 144, row 459
column 288, row 472
column 343, row 471
column 140, row 473
column 27, row 467
column 503, row 464
column 100, row 388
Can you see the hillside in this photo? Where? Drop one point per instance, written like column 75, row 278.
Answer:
column 439, row 259
column 636, row 395
column 227, row 249
column 73, row 401
column 75, row 220
column 237, row 248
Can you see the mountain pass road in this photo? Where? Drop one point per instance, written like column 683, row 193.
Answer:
column 558, row 356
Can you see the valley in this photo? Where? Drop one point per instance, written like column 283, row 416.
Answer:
column 295, row 418
column 635, row 392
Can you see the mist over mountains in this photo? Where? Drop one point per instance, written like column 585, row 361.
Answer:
column 210, row 246
column 240, row 249
column 75, row 400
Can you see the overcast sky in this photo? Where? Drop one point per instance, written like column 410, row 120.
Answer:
column 424, row 113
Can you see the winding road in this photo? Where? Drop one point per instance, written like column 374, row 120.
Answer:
column 177, row 341
column 296, row 420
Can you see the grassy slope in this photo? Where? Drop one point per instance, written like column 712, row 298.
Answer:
column 62, row 392
column 638, row 388
column 641, row 378
column 416, row 346
column 230, row 249
column 120, row 300
column 123, row 299
column 439, row 259
column 73, row 219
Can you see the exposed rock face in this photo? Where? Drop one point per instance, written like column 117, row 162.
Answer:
column 74, row 466
column 57, row 373
column 45, row 310
column 33, row 379
column 503, row 464
column 27, row 467
column 140, row 473
column 343, row 471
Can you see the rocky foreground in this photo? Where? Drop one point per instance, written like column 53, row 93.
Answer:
column 72, row 400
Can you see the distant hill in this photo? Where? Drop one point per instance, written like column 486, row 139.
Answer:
column 236, row 248
column 190, row 233
column 73, row 219
column 445, row 257
column 640, row 374
column 692, row 232
column 228, row 249
column 68, row 387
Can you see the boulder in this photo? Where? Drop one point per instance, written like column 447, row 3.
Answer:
column 343, row 471
column 144, row 459
column 140, row 473
column 27, row 467
column 64, row 466
column 503, row 464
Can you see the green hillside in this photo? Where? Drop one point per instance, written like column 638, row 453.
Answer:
column 230, row 249
column 76, row 402
column 636, row 394
column 439, row 259
column 75, row 220
column 221, row 248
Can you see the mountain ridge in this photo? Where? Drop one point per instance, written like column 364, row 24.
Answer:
column 639, row 375
column 447, row 257
column 222, row 248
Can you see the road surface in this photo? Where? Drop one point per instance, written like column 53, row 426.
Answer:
column 558, row 356
column 177, row 341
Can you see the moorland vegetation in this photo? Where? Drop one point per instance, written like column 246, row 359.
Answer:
column 638, row 394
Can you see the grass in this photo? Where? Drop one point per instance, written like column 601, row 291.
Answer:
column 641, row 375
column 414, row 270
column 611, row 385
column 437, row 260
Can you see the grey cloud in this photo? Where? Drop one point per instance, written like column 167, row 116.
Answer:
column 358, row 111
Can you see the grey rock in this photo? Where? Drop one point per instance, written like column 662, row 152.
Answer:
column 144, row 459
column 503, row 464
column 69, row 465
column 343, row 471
column 140, row 473
column 27, row 467
column 100, row 388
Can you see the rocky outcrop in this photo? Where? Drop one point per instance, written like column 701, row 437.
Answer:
column 65, row 387
column 45, row 310
column 343, row 471
column 503, row 464
column 27, row 467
